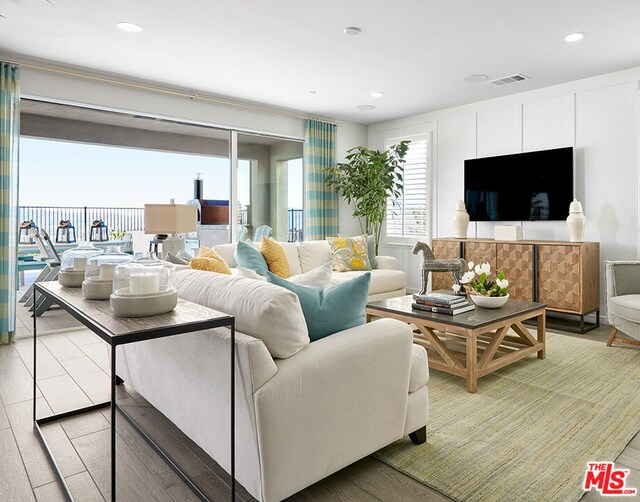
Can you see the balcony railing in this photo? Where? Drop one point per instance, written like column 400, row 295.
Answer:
column 295, row 218
column 127, row 219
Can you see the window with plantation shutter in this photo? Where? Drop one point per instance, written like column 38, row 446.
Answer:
column 408, row 215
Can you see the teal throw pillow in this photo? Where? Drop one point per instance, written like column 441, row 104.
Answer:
column 248, row 256
column 371, row 250
column 331, row 309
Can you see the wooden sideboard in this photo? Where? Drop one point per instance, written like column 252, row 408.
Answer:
column 564, row 275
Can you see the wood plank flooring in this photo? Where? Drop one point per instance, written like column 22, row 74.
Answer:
column 72, row 372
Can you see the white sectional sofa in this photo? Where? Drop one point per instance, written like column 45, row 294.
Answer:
column 386, row 280
column 303, row 410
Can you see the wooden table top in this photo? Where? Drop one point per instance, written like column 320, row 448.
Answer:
column 475, row 318
column 98, row 314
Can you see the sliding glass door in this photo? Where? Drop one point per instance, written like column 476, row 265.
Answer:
column 270, row 188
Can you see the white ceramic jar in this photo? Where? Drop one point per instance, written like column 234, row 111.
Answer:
column 576, row 222
column 460, row 221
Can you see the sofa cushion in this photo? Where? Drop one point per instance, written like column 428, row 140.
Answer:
column 226, row 251
column 275, row 256
column 625, row 306
column 248, row 256
column 313, row 254
column 349, row 253
column 320, row 276
column 261, row 310
column 291, row 250
column 382, row 281
column 332, row 309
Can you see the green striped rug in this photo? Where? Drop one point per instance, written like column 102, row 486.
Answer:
column 529, row 432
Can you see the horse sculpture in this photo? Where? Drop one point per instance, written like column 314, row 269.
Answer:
column 430, row 263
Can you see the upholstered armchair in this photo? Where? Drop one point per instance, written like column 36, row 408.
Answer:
column 623, row 301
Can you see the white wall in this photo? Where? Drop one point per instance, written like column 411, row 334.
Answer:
column 349, row 135
column 102, row 95
column 597, row 116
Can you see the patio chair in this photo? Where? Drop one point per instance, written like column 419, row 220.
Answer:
column 262, row 231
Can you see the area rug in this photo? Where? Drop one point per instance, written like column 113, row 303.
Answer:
column 531, row 428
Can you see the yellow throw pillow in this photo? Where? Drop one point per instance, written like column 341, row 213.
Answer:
column 210, row 261
column 349, row 253
column 206, row 252
column 275, row 257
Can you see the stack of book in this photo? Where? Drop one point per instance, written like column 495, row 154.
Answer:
column 442, row 303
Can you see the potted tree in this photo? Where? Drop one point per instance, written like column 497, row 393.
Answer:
column 366, row 180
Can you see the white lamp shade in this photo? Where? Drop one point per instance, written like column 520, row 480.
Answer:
column 170, row 218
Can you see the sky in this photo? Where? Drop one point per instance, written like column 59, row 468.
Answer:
column 59, row 173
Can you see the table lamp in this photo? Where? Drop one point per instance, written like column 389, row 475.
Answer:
column 167, row 220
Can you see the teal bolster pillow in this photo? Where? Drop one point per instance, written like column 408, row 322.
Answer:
column 331, row 309
column 248, row 256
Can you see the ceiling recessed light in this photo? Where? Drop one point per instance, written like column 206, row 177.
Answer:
column 313, row 92
column 365, row 107
column 129, row 27
column 377, row 94
column 352, row 30
column 574, row 37
column 476, row 78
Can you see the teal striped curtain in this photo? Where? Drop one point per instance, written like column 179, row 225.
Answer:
column 9, row 139
column 321, row 220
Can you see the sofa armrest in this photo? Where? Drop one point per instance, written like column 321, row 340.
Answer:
column 337, row 400
column 387, row 262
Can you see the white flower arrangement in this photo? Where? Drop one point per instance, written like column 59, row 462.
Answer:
column 478, row 280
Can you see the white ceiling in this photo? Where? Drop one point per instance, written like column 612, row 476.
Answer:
column 274, row 52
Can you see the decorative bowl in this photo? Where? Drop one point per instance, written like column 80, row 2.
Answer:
column 125, row 304
column 489, row 302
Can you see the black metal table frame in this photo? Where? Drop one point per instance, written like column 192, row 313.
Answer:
column 114, row 342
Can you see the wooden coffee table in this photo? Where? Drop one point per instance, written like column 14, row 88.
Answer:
column 472, row 344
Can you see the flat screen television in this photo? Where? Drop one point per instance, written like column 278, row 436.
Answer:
column 526, row 186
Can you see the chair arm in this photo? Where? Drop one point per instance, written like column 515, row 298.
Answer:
column 337, row 400
column 387, row 262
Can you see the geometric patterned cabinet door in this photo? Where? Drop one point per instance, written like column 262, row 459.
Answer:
column 515, row 260
column 559, row 276
column 445, row 250
column 569, row 276
column 480, row 252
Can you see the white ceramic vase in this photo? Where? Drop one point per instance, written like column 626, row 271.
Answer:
column 576, row 222
column 460, row 221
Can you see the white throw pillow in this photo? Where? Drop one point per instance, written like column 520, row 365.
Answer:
column 226, row 252
column 319, row 276
column 313, row 254
column 250, row 274
column 265, row 311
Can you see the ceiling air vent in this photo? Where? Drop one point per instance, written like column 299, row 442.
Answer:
column 509, row 80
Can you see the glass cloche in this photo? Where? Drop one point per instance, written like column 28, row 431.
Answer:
column 73, row 263
column 98, row 276
column 143, row 287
